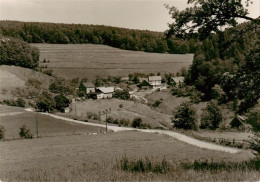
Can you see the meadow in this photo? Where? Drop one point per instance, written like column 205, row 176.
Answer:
column 89, row 60
column 94, row 158
column 12, row 118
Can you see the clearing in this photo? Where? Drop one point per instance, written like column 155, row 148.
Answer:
column 89, row 60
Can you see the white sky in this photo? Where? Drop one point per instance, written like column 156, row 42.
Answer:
column 136, row 14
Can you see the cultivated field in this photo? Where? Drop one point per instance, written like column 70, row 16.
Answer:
column 12, row 118
column 93, row 157
column 88, row 60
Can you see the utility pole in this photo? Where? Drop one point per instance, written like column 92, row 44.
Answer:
column 99, row 118
column 37, row 126
column 106, row 120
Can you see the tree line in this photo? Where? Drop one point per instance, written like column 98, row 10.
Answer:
column 128, row 39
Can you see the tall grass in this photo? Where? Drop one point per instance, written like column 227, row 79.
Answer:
column 143, row 165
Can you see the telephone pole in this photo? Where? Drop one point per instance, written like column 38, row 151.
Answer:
column 37, row 126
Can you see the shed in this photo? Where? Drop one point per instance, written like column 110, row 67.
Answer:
column 87, row 87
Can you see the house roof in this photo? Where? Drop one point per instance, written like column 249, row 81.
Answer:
column 155, row 78
column 143, row 79
column 179, row 79
column 106, row 90
column 88, row 85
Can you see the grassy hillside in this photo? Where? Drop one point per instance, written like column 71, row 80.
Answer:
column 14, row 79
column 88, row 60
column 93, row 158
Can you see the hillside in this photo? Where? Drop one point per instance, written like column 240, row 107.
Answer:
column 14, row 78
column 89, row 61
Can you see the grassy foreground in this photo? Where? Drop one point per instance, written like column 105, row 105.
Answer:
column 95, row 158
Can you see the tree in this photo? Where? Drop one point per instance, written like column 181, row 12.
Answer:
column 61, row 102
column 137, row 122
column 211, row 116
column 206, row 17
column 122, row 94
column 185, row 117
column 25, row 133
column 45, row 102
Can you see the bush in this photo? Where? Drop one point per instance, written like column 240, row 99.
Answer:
column 122, row 94
column 124, row 122
column 61, row 102
column 157, row 103
column 185, row 117
column 25, row 133
column 48, row 72
column 20, row 102
column 2, row 132
column 45, row 102
column 137, row 122
column 143, row 166
column 211, row 116
column 34, row 83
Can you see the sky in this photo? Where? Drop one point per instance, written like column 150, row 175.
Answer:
column 134, row 14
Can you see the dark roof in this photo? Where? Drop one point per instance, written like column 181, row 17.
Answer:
column 88, row 85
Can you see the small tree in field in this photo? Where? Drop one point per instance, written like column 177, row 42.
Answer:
column 185, row 117
column 211, row 116
column 2, row 132
column 137, row 122
column 25, row 133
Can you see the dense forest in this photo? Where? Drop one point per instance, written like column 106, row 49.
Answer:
column 122, row 38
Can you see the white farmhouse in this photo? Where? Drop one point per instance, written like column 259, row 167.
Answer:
column 104, row 92
column 155, row 81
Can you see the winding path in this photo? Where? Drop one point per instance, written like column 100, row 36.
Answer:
column 175, row 135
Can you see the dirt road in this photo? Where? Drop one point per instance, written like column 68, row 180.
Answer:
column 175, row 135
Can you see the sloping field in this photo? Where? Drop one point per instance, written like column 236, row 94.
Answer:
column 12, row 118
column 88, row 60
column 93, row 157
column 13, row 77
column 130, row 110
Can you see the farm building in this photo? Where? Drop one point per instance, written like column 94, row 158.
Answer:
column 102, row 93
column 87, row 87
column 155, row 81
column 176, row 81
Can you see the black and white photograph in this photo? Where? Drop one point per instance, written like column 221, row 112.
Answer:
column 129, row 90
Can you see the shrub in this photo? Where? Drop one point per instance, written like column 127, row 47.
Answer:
column 45, row 102
column 48, row 72
column 143, row 165
column 185, row 117
column 122, row 94
column 137, row 122
column 211, row 116
column 20, row 102
column 124, row 122
column 2, row 132
column 34, row 82
column 61, row 102
column 120, row 106
column 157, row 103
column 25, row 133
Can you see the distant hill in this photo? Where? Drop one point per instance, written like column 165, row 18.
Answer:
column 129, row 39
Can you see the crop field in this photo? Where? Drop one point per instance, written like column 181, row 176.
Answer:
column 89, row 61
column 12, row 119
column 93, row 157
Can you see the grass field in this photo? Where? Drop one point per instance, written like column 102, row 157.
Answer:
column 13, row 118
column 93, row 158
column 88, row 60
column 130, row 110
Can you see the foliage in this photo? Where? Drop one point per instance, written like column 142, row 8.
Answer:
column 45, row 102
column 157, row 103
column 143, row 165
column 34, row 82
column 206, row 17
column 205, row 165
column 124, row 122
column 48, row 72
column 185, row 117
column 17, row 103
column 122, row 94
column 19, row 53
column 61, row 86
column 2, row 132
column 25, row 133
column 254, row 120
column 211, row 116
column 61, row 102
column 122, row 38
column 21, row 102
column 136, row 123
